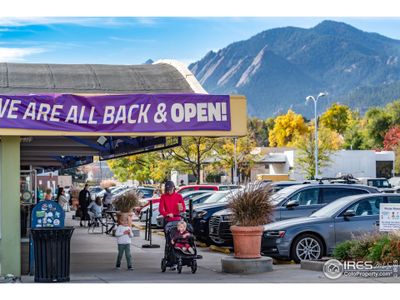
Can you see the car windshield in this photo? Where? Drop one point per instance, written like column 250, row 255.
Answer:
column 379, row 183
column 201, row 196
column 215, row 198
column 333, row 207
column 283, row 193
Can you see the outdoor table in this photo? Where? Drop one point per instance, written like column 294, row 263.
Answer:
column 110, row 215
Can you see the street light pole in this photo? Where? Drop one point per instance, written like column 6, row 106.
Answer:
column 235, row 157
column 316, row 129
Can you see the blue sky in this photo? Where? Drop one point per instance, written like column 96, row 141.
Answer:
column 120, row 40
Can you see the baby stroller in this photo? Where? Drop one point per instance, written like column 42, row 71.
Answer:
column 174, row 256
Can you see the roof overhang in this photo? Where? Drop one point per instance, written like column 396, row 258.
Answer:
column 61, row 149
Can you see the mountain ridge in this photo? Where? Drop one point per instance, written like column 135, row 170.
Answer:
column 278, row 68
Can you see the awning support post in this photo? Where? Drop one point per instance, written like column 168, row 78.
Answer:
column 10, row 231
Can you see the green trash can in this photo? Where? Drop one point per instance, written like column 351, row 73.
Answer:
column 52, row 253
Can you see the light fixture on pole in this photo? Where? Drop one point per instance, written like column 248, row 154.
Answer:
column 316, row 128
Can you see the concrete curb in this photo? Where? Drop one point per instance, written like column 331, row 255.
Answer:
column 246, row 266
column 313, row 265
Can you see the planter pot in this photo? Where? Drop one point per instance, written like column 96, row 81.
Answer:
column 121, row 216
column 247, row 241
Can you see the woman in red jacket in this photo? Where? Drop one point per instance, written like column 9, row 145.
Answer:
column 170, row 207
column 171, row 204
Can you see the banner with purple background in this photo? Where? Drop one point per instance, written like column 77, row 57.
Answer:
column 116, row 113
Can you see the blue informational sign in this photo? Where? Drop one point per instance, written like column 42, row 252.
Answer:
column 47, row 213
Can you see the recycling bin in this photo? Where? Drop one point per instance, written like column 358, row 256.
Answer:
column 52, row 253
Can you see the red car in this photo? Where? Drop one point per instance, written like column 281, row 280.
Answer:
column 210, row 187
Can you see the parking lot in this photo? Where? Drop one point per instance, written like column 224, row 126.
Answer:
column 93, row 259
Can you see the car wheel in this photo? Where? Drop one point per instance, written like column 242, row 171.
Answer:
column 307, row 247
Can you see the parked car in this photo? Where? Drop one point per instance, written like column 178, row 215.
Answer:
column 394, row 181
column 95, row 191
column 212, row 187
column 196, row 200
column 291, row 202
column 381, row 183
column 145, row 192
column 144, row 206
column 317, row 235
column 156, row 212
column 279, row 185
column 118, row 192
column 203, row 212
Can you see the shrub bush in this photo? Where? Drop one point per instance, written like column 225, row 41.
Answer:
column 343, row 250
column 380, row 247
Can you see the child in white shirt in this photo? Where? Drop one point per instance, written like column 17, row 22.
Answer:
column 124, row 235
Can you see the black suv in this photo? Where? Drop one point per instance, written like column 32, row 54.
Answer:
column 291, row 202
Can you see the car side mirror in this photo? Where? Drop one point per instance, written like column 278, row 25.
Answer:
column 292, row 204
column 349, row 213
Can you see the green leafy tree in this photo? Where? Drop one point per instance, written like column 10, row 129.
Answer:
column 354, row 138
column 193, row 152
column 328, row 142
column 258, row 130
column 393, row 109
column 245, row 160
column 337, row 118
column 135, row 167
column 378, row 121
column 156, row 166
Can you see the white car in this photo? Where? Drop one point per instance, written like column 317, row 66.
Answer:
column 119, row 192
column 156, row 213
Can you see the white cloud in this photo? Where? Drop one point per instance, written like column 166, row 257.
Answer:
column 82, row 21
column 17, row 54
column 17, row 22
column 129, row 40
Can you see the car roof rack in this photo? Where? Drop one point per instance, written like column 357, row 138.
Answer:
column 347, row 178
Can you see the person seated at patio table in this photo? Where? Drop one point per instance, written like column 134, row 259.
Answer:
column 95, row 209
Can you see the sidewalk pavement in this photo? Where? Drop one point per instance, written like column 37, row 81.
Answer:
column 93, row 257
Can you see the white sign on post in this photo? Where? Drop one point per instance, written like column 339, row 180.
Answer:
column 389, row 217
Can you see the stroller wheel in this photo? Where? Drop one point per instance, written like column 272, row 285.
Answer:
column 163, row 265
column 179, row 267
column 194, row 266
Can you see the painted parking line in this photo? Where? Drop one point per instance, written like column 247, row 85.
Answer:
column 225, row 250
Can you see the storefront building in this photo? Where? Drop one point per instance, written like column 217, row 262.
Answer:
column 60, row 116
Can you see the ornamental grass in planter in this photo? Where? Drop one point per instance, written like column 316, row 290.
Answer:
column 251, row 208
column 124, row 205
